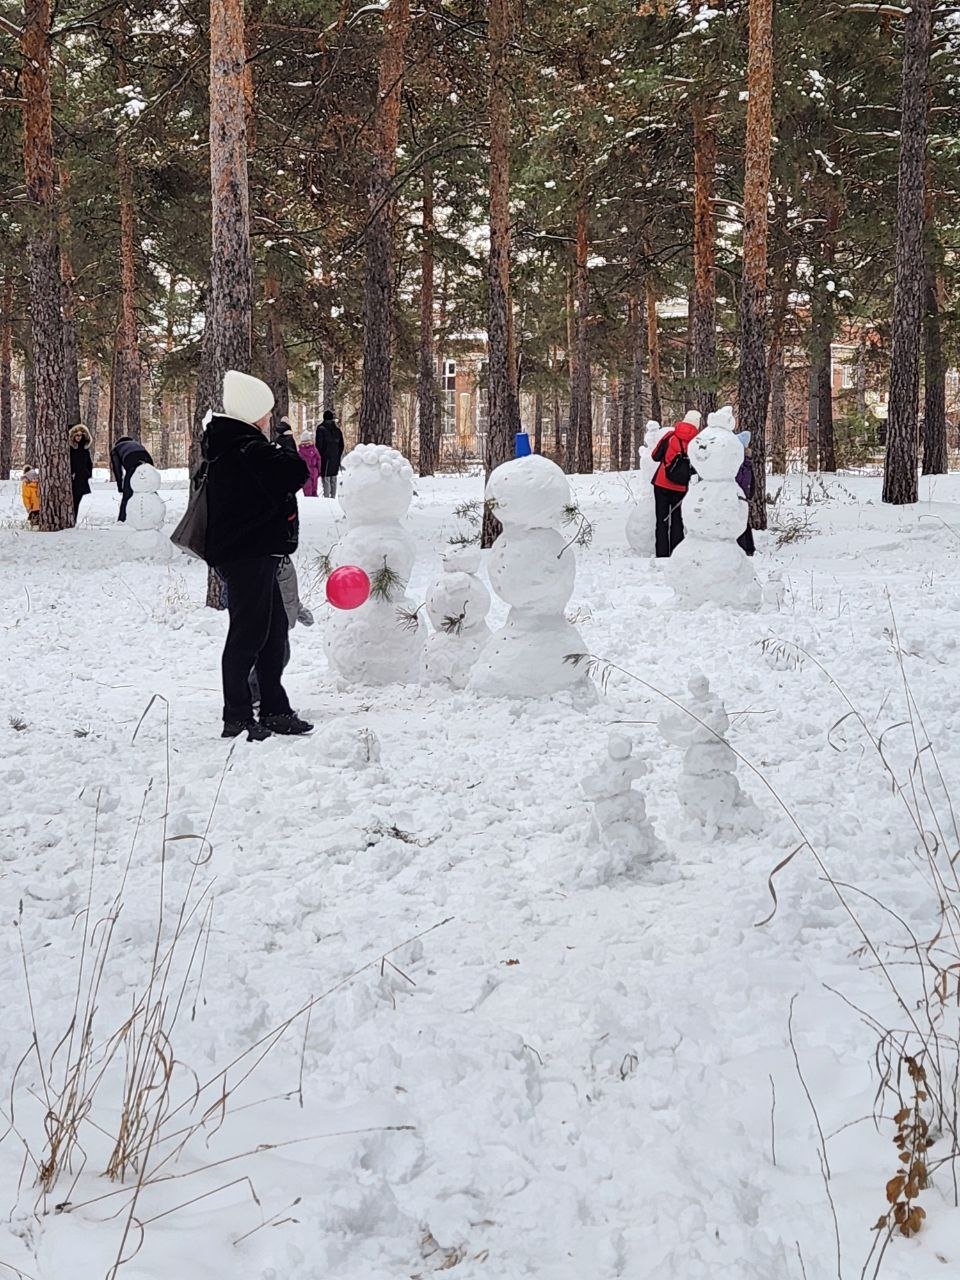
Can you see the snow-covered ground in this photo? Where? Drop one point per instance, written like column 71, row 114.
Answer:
column 505, row 1071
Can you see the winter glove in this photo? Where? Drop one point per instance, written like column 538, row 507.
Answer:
column 304, row 616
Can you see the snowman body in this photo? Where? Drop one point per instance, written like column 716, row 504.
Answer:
column 708, row 567
column 533, row 570
column 642, row 520
column 146, row 513
column 457, row 606
column 708, row 788
column 368, row 645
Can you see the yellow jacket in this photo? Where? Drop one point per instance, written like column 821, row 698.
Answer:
column 30, row 492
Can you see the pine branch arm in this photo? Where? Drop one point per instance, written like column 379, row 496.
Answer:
column 9, row 28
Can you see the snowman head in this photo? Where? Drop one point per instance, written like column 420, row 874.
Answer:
column 377, row 484
column 146, row 479
column 650, row 433
column 716, row 453
column 529, row 493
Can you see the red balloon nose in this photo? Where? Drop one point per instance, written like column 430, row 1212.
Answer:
column 348, row 587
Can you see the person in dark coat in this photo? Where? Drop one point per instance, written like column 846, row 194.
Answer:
column 330, row 445
column 668, row 495
column 746, row 480
column 81, row 464
column 252, row 523
column 125, row 456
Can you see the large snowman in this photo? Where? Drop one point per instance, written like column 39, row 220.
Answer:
column 642, row 520
column 457, row 606
column 708, row 567
column 370, row 645
column 146, row 513
column 533, row 569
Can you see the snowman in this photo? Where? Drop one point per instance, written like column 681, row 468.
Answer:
column 642, row 520
column 533, row 569
column 708, row 566
column 146, row 510
column 457, row 606
column 708, row 788
column 369, row 645
column 619, row 824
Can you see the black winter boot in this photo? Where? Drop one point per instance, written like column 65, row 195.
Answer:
column 289, row 725
column 255, row 732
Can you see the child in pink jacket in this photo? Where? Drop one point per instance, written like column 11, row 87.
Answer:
column 311, row 455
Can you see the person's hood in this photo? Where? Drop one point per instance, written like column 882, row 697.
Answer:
column 685, row 431
column 223, row 434
column 79, row 429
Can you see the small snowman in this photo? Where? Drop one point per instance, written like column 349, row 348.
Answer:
column 708, row 566
column 708, row 788
column 457, row 606
column 642, row 520
column 369, row 645
column 533, row 569
column 619, row 822
column 146, row 510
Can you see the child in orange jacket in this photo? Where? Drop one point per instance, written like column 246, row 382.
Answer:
column 30, row 493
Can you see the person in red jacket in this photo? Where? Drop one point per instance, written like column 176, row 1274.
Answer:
column 669, row 493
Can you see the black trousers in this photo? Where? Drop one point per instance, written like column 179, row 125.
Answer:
column 256, row 640
column 132, row 461
column 669, row 520
column 746, row 541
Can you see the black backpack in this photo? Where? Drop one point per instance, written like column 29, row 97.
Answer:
column 190, row 535
column 678, row 471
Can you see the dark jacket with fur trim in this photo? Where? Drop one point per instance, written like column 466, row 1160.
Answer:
column 81, row 463
column 251, row 492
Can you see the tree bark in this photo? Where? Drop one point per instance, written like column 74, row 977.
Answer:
column 557, row 430
column 29, row 407
column 376, row 401
column 501, row 378
column 753, row 384
column 900, row 464
column 704, row 259
column 207, row 389
column 778, row 415
column 91, row 416
column 231, row 281
column 822, row 324
column 538, row 422
column 329, row 384
column 129, row 421
column 52, row 456
column 584, row 371
column 813, row 414
column 637, row 419
column 6, row 376
column 613, row 422
column 427, row 360
column 653, row 352
column 627, row 457
column 71, row 374
column 570, row 443
column 278, row 373
column 934, row 376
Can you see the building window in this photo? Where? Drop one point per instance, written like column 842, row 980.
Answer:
column 449, row 397
column 848, row 376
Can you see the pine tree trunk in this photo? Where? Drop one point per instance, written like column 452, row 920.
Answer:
column 376, row 401
column 778, row 415
column 118, row 412
column 71, row 374
column 653, row 352
column 753, row 384
column 584, row 371
column 29, row 408
column 6, row 376
column 501, row 378
column 637, row 419
column 900, row 465
column 557, row 429
column 704, row 325
column 613, row 422
column 934, row 376
column 570, row 442
column 91, row 414
column 278, row 373
column 329, row 384
column 822, row 323
column 51, row 455
column 538, row 422
column 813, row 413
column 627, row 458
column 231, row 282
column 129, row 422
column 427, row 360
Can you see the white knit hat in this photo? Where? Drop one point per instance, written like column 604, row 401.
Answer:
column 245, row 398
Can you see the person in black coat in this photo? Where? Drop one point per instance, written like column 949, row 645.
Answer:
column 252, row 523
column 81, row 464
column 330, row 445
column 125, row 456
